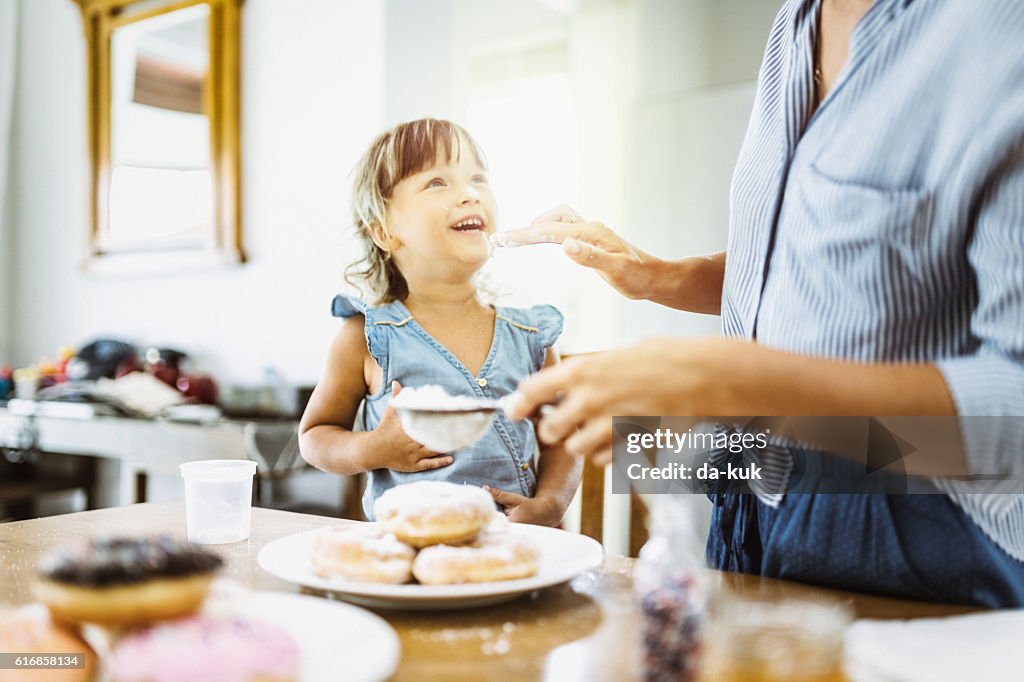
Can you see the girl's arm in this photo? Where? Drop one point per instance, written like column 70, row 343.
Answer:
column 558, row 476
column 326, row 439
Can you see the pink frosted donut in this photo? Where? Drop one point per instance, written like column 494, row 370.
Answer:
column 362, row 552
column 491, row 557
column 434, row 512
column 204, row 649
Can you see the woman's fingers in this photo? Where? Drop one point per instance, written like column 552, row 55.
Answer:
column 551, row 227
column 540, row 389
column 592, row 439
column 587, row 254
column 575, row 409
column 602, row 458
column 547, row 232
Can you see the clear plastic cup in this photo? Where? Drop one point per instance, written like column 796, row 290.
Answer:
column 218, row 500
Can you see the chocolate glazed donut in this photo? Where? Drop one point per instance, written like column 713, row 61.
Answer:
column 121, row 581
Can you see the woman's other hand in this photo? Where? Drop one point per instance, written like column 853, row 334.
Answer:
column 591, row 244
column 663, row 377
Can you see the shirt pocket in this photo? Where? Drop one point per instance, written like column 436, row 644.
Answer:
column 861, row 234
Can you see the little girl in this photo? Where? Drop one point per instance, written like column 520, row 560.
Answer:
column 424, row 211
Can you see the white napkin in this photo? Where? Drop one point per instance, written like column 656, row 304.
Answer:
column 142, row 392
column 983, row 646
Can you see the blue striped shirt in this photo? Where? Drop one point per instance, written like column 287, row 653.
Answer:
column 888, row 223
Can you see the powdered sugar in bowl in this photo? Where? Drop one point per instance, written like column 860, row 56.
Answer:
column 443, row 422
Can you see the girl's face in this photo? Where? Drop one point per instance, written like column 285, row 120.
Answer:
column 442, row 216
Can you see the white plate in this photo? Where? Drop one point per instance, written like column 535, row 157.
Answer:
column 563, row 555
column 339, row 641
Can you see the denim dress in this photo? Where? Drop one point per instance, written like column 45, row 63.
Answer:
column 505, row 457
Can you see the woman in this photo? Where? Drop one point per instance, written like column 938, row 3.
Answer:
column 875, row 267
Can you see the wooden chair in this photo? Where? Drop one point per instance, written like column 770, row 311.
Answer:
column 592, row 497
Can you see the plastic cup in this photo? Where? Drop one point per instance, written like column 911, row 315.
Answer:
column 218, row 500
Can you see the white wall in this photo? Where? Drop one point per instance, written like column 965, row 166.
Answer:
column 695, row 73
column 693, row 66
column 8, row 71
column 312, row 96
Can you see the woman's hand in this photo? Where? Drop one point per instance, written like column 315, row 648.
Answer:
column 540, row 511
column 664, row 377
column 393, row 449
column 590, row 244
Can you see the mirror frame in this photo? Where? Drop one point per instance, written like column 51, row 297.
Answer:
column 100, row 19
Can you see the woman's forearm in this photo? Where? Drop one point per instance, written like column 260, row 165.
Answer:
column 691, row 284
column 772, row 382
column 902, row 398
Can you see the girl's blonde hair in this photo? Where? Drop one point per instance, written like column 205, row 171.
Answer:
column 404, row 150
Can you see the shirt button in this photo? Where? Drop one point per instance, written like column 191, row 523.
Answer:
column 525, row 467
column 481, row 382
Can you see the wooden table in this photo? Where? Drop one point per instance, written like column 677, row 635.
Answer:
column 585, row 630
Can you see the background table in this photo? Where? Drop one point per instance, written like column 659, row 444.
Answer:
column 120, row 453
column 585, row 630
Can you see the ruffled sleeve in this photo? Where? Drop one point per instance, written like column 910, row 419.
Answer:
column 541, row 325
column 345, row 306
column 549, row 321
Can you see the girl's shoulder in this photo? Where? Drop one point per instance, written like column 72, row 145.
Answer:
column 377, row 319
column 543, row 321
column 346, row 306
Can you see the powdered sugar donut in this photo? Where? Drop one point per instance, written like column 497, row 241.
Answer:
column 434, row 512
column 361, row 552
column 492, row 556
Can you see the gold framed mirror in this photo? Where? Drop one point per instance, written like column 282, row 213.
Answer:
column 163, row 110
